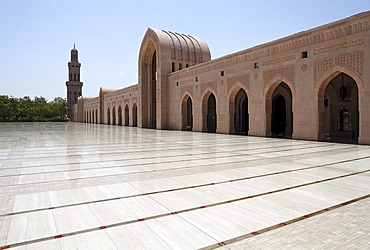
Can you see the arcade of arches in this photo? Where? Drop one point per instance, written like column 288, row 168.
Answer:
column 112, row 119
column 309, row 86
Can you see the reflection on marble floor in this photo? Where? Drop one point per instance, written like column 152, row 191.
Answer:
column 88, row 186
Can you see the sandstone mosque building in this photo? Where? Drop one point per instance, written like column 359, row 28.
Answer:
column 313, row 85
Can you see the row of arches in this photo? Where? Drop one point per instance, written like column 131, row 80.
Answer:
column 114, row 117
column 91, row 116
column 281, row 115
column 119, row 118
column 338, row 113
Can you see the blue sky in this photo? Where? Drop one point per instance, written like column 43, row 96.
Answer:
column 36, row 36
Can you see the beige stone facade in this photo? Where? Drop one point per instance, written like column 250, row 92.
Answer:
column 313, row 85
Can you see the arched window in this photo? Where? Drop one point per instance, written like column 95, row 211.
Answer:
column 180, row 66
column 345, row 120
column 173, row 67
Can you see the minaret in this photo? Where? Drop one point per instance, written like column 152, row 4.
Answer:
column 74, row 86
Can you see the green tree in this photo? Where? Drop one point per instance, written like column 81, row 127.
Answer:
column 25, row 106
column 5, row 109
column 38, row 109
column 58, row 108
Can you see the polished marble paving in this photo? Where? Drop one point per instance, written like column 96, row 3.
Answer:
column 88, row 186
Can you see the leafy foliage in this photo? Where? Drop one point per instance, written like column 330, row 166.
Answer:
column 38, row 109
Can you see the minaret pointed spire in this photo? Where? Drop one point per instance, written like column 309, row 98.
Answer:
column 74, row 84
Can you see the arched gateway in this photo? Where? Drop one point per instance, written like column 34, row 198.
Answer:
column 279, row 106
column 160, row 52
column 339, row 110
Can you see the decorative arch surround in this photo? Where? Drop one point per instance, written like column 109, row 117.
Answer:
column 338, row 98
column 187, row 112
column 353, row 62
column 279, row 105
column 238, row 110
column 326, row 77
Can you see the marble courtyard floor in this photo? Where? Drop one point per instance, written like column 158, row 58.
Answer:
column 88, row 186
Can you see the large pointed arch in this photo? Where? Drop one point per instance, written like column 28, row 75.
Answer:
column 158, row 52
column 148, row 84
column 279, row 107
column 331, row 111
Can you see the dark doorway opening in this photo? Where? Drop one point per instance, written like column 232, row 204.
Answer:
column 211, row 114
column 108, row 114
column 127, row 116
column 241, row 116
column 278, row 128
column 153, row 93
column 113, row 116
column 134, row 115
column 120, row 116
column 189, row 115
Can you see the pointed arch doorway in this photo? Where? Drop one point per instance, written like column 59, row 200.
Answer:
column 134, row 115
column 211, row 114
column 281, row 112
column 339, row 117
column 120, row 115
column 239, row 113
column 108, row 116
column 127, row 116
column 114, row 115
column 149, row 86
column 187, row 113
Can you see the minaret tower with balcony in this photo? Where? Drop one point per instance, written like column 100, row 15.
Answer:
column 74, row 85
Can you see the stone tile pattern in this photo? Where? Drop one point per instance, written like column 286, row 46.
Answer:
column 344, row 228
column 168, row 183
